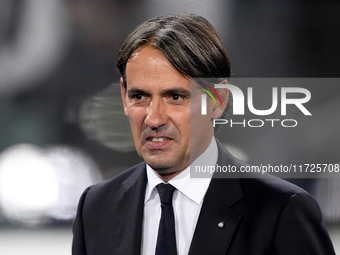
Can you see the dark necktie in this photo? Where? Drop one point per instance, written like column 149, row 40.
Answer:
column 166, row 240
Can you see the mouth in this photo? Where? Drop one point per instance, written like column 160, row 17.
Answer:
column 157, row 143
column 158, row 139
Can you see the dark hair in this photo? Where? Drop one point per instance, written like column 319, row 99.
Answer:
column 189, row 42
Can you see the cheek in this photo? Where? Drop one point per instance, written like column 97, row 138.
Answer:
column 135, row 114
column 136, row 117
column 183, row 126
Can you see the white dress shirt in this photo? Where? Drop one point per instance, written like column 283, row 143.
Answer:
column 187, row 202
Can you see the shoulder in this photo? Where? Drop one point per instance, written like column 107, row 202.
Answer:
column 273, row 190
column 263, row 188
column 269, row 184
column 111, row 188
column 253, row 191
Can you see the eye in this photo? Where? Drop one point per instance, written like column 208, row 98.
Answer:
column 137, row 96
column 176, row 97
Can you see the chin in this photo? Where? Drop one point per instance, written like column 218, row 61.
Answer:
column 164, row 162
column 166, row 167
column 158, row 166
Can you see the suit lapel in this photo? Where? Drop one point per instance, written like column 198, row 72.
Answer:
column 218, row 223
column 129, row 213
column 209, row 237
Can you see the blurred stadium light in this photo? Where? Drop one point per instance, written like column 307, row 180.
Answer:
column 38, row 185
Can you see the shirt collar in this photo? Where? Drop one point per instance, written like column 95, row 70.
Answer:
column 193, row 188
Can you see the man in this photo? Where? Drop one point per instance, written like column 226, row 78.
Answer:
column 126, row 215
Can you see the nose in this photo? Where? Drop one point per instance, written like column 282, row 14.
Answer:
column 156, row 116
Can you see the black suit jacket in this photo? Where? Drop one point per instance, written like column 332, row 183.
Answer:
column 261, row 215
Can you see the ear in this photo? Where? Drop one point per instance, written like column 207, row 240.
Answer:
column 123, row 94
column 219, row 109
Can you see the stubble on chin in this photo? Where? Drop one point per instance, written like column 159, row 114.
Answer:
column 165, row 167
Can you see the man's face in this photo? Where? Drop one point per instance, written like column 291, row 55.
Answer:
column 157, row 101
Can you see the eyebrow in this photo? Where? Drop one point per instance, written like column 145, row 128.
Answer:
column 133, row 91
column 179, row 91
column 166, row 92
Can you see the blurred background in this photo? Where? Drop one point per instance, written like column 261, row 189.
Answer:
column 62, row 124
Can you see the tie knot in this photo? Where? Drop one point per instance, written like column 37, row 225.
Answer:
column 165, row 192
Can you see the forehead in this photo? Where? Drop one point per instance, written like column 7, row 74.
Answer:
column 148, row 67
